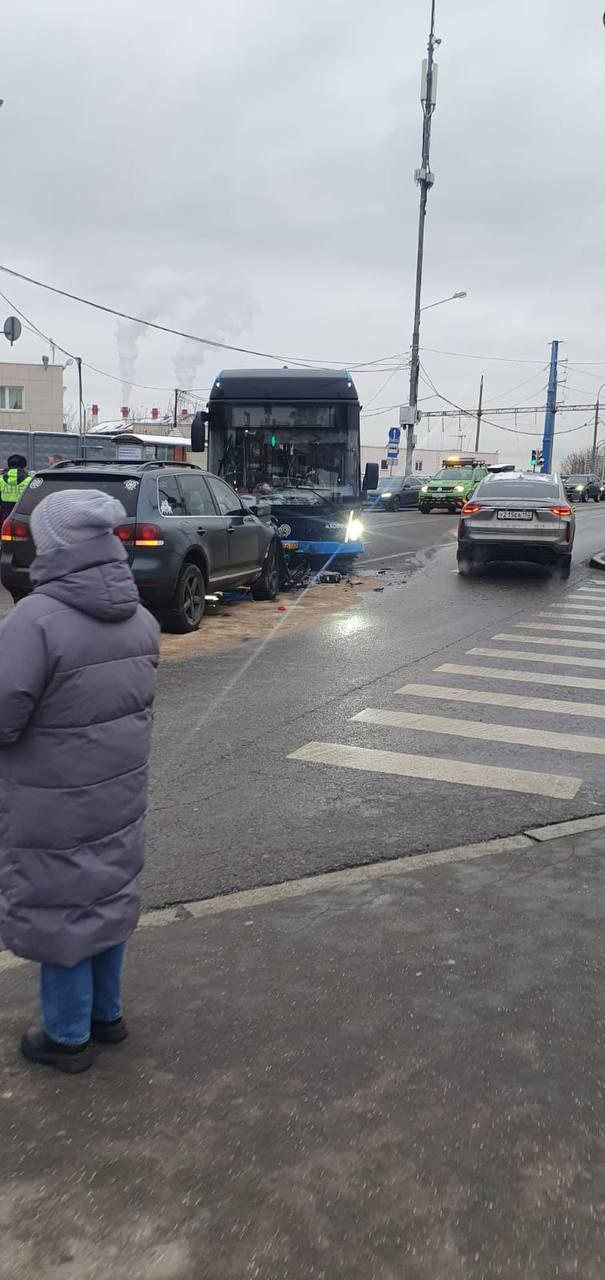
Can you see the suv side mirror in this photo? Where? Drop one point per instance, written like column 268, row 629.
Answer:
column 370, row 479
column 198, row 432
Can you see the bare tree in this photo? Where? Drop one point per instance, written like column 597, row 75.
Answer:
column 70, row 418
column 577, row 463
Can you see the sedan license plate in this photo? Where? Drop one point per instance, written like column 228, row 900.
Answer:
column 515, row 515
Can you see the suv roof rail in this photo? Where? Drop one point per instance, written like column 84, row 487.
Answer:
column 133, row 463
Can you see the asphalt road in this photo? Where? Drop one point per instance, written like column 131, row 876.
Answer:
column 262, row 774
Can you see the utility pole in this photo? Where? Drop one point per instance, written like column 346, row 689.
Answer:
column 479, row 415
column 551, row 408
column 175, row 416
column 425, row 180
column 596, row 427
column 80, row 399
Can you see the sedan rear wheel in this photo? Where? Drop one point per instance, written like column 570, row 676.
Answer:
column 465, row 565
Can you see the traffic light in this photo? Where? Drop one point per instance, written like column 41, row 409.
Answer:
column 534, row 459
column 540, row 457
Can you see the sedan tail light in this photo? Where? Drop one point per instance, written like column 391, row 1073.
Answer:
column 470, row 508
column 15, row 531
column 561, row 511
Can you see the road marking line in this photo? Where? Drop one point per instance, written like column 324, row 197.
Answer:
column 560, row 640
column 594, row 589
column 584, row 744
column 524, row 655
column 523, row 677
column 438, row 769
column 487, row 697
column 561, row 626
column 378, row 559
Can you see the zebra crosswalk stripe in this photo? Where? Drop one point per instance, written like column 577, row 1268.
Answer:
column 563, row 641
column 560, row 659
column 570, row 616
column 560, row 626
column 497, row 698
column 578, row 603
column 521, row 677
column 437, row 768
column 585, row 744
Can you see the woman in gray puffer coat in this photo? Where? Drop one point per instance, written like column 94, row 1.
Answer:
column 77, row 682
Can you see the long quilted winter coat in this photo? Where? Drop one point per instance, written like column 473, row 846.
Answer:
column 78, row 663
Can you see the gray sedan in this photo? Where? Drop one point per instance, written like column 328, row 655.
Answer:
column 517, row 516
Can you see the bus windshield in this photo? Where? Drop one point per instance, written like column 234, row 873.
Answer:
column 286, row 428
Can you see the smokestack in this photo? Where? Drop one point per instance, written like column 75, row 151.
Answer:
column 155, row 413
column 124, row 411
column 94, row 415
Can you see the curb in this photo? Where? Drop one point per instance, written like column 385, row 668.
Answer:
column 598, row 560
column 247, row 899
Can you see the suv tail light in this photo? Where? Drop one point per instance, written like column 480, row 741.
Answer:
column 139, row 535
column 15, row 530
column 470, row 508
column 148, row 535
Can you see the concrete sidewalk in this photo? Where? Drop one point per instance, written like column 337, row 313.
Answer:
column 396, row 1076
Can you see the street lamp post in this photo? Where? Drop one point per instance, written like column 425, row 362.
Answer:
column 425, row 180
column 596, row 426
column 462, row 294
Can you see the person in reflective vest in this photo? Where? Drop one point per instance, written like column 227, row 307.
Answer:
column 13, row 482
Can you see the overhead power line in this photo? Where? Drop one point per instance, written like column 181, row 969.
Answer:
column 180, row 333
column 472, row 413
column 115, row 377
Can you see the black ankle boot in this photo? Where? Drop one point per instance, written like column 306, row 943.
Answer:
column 109, row 1032
column 37, row 1047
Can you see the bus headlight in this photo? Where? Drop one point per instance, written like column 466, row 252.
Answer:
column 354, row 529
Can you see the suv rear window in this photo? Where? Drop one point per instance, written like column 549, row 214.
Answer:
column 126, row 489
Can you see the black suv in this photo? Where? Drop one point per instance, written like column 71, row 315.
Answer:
column 186, row 533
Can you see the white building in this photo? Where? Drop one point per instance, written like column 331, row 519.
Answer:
column 427, row 461
column 31, row 397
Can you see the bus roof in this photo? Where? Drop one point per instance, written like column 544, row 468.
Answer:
column 284, row 384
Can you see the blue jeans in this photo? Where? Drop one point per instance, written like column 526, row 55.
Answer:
column 71, row 998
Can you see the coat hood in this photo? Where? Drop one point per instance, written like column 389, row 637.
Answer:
column 93, row 577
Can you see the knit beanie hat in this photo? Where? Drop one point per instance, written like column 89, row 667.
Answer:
column 74, row 515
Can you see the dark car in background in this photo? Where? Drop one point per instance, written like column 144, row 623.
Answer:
column 582, row 488
column 519, row 516
column 186, row 533
column 395, row 492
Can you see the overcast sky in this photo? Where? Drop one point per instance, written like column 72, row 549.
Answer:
column 245, row 171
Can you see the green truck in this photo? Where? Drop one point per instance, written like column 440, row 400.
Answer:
column 453, row 485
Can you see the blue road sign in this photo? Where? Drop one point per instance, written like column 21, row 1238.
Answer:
column 394, row 435
column 393, row 451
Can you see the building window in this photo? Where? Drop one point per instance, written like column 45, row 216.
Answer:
column 11, row 397
column 418, row 466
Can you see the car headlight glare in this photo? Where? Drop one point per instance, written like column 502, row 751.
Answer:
column 354, row 529
column 459, row 488
column 425, row 488
column 386, row 495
